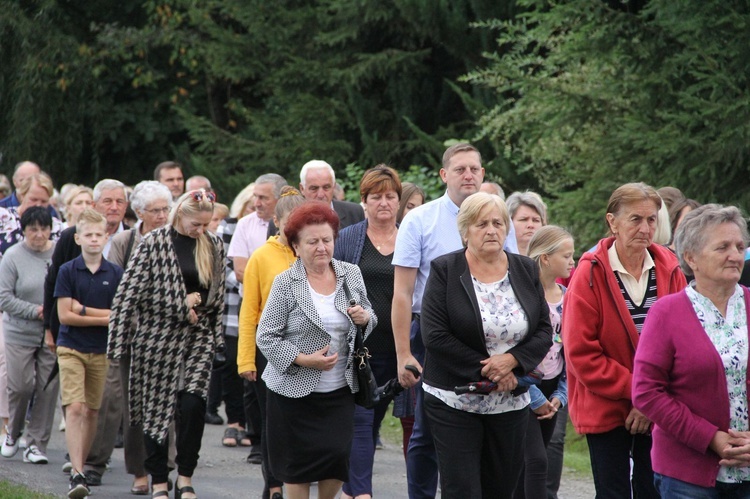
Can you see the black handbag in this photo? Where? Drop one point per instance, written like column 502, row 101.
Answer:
column 367, row 396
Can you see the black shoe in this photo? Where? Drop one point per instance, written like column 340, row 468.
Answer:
column 277, row 495
column 255, row 456
column 93, row 478
column 78, row 487
column 213, row 419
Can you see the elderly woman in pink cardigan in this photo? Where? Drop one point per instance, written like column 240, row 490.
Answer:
column 691, row 367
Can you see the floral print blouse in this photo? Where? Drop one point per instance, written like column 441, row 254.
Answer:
column 729, row 337
column 10, row 228
column 505, row 325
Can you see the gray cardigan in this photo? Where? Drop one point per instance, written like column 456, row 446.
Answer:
column 22, row 273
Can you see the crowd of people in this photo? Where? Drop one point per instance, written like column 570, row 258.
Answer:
column 140, row 311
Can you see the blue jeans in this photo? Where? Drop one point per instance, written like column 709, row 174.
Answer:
column 366, row 425
column 421, row 458
column 671, row 488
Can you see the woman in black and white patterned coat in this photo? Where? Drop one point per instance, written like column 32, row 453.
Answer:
column 307, row 332
column 174, row 289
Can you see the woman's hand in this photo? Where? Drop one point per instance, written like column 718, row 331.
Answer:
column 506, row 383
column 637, row 422
column 250, row 375
column 317, row 360
column 546, row 410
column 733, row 448
column 40, row 312
column 359, row 315
column 192, row 317
column 499, row 366
column 193, row 300
column 49, row 341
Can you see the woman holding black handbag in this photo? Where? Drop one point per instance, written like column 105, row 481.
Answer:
column 307, row 333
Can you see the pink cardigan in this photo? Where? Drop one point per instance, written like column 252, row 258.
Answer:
column 679, row 383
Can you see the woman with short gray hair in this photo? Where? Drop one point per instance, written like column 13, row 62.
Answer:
column 485, row 320
column 691, row 368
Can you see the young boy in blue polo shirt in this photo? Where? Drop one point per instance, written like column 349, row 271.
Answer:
column 84, row 290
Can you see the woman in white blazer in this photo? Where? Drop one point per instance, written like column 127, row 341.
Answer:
column 307, row 333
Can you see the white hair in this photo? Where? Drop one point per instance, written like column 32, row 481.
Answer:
column 147, row 192
column 108, row 184
column 315, row 164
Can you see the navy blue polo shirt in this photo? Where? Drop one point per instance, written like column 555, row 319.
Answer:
column 96, row 290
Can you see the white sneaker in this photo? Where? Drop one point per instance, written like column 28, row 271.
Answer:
column 34, row 455
column 22, row 442
column 62, row 424
column 67, row 466
column 10, row 445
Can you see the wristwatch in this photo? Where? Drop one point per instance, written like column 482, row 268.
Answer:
column 83, row 310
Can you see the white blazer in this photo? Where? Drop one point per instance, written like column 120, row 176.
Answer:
column 290, row 325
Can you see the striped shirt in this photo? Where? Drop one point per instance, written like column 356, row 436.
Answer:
column 638, row 312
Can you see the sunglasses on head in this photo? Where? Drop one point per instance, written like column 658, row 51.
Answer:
column 201, row 194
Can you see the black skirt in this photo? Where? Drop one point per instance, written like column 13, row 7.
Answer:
column 310, row 438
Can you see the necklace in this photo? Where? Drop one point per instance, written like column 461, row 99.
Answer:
column 378, row 246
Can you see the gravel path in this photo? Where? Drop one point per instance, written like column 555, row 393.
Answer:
column 223, row 473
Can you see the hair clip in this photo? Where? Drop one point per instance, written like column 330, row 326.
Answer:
column 290, row 192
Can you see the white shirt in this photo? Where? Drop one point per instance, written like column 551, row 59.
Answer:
column 336, row 325
column 249, row 235
column 636, row 289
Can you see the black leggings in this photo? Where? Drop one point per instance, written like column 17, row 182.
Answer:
column 189, row 424
column 533, row 481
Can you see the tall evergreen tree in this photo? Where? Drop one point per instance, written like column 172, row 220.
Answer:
column 595, row 94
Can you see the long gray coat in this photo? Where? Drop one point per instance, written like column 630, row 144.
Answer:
column 152, row 292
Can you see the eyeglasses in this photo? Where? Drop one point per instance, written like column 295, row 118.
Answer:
column 199, row 194
column 158, row 211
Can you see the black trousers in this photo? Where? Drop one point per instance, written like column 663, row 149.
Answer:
column 189, row 424
column 260, row 390
column 610, row 463
column 226, row 384
column 479, row 455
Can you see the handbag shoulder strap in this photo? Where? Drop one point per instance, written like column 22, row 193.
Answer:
column 359, row 339
column 129, row 249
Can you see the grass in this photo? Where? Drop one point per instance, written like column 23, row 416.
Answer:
column 12, row 491
column 576, row 455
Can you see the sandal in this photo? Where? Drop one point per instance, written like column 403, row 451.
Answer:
column 183, row 490
column 244, row 439
column 161, row 493
column 231, row 437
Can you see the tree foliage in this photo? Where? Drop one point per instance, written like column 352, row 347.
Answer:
column 596, row 94
column 236, row 88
